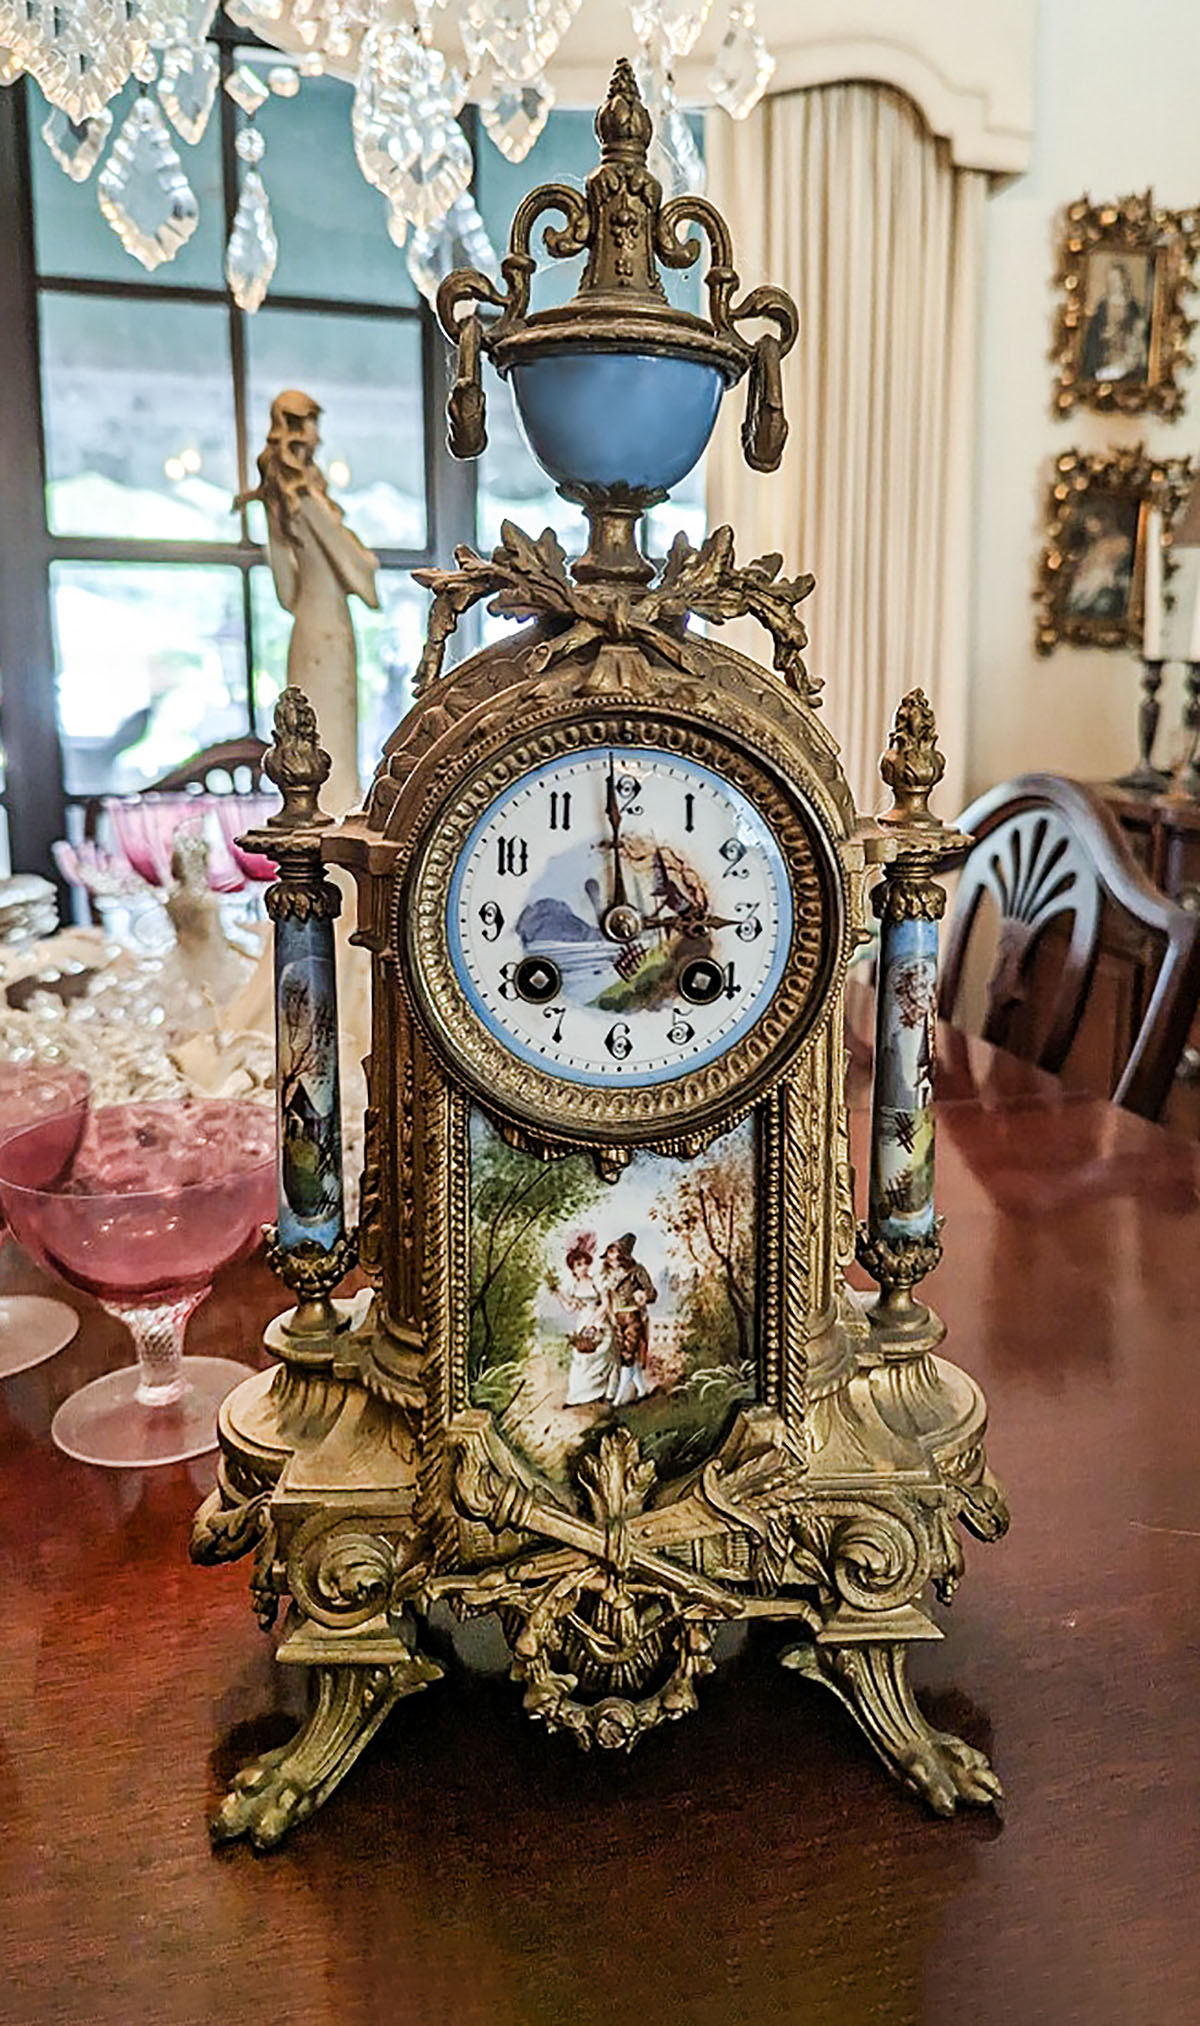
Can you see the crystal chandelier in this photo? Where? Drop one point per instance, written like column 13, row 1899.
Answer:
column 408, row 93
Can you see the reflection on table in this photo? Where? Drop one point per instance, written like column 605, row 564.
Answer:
column 750, row 1864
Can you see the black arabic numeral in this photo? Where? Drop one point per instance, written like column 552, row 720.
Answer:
column 512, row 855
column 560, row 809
column 628, row 790
column 619, row 1041
column 491, row 921
column 507, row 987
column 733, row 851
column 558, row 1014
column 681, row 1031
column 689, row 811
column 731, row 983
column 750, row 925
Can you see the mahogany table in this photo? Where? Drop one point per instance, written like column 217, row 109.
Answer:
column 751, row 1864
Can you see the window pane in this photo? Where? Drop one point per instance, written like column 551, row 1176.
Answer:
column 151, row 666
column 138, row 404
column 566, row 152
column 331, row 225
column 366, row 374
column 73, row 237
column 389, row 647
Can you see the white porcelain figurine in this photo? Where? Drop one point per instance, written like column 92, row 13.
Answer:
column 317, row 562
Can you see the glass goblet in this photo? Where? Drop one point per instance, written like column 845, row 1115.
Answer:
column 32, row 1326
column 238, row 813
column 154, row 1200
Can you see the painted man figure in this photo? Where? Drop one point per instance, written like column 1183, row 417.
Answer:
column 628, row 1292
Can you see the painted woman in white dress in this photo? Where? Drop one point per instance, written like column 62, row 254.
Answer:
column 590, row 1334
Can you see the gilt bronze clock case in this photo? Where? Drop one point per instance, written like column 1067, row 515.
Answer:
column 700, row 1422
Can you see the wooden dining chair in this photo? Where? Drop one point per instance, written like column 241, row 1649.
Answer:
column 226, row 768
column 216, row 769
column 1075, row 911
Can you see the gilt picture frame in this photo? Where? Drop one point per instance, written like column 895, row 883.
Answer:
column 1121, row 334
column 1091, row 587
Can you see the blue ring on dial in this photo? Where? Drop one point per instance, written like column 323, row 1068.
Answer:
column 618, row 1079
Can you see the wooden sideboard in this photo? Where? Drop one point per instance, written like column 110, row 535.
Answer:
column 1164, row 836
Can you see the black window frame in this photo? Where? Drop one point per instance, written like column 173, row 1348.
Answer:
column 35, row 797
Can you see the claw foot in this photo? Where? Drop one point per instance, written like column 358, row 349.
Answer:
column 872, row 1682
column 283, row 1787
column 262, row 1804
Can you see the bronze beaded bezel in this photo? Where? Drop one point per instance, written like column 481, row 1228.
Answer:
column 571, row 1115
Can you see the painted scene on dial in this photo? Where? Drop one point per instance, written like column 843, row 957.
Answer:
column 666, row 929
column 620, row 913
column 632, row 1300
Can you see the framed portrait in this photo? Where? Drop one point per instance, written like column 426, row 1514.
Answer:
column 1125, row 271
column 1091, row 587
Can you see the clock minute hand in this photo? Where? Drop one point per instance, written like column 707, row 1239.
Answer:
column 616, row 889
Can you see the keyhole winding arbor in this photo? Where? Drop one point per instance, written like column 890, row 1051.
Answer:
column 611, row 1383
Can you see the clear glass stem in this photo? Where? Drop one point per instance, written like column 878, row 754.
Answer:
column 158, row 1330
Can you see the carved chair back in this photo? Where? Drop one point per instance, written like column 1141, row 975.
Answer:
column 232, row 766
column 1051, row 858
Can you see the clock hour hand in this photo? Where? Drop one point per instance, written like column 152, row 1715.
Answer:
column 620, row 923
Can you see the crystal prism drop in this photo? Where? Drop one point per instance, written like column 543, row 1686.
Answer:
column 744, row 65
column 255, row 15
column 461, row 240
column 515, row 114
column 80, row 51
column 164, row 22
column 284, row 80
column 250, row 147
column 143, row 191
column 76, row 145
column 188, row 86
column 11, row 65
column 408, row 142
column 678, row 21
column 246, row 89
column 253, row 248
column 507, row 31
column 674, row 157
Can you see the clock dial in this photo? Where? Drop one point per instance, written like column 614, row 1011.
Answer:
column 619, row 916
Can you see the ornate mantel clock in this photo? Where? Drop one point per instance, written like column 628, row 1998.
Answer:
column 610, row 1382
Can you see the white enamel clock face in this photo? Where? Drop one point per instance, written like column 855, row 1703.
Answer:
column 619, row 916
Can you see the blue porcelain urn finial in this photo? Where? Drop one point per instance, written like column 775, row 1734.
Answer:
column 616, row 391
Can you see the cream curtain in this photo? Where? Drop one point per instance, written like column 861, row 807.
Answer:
column 843, row 197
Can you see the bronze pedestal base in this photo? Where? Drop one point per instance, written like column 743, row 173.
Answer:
column 609, row 1617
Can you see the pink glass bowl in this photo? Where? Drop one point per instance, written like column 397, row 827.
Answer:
column 153, row 1199
column 146, row 826
column 32, row 1093
column 33, row 1326
column 148, row 1205
column 237, row 814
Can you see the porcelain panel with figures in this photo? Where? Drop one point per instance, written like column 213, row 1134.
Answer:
column 593, row 1302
